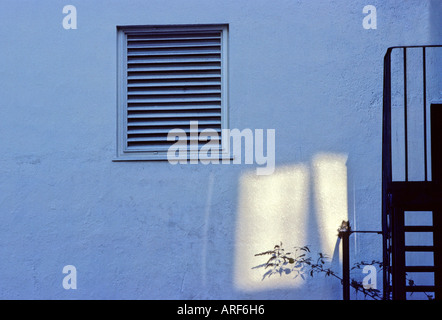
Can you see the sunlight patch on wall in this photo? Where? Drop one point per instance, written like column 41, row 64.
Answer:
column 330, row 187
column 270, row 209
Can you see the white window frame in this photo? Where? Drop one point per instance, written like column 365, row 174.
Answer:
column 123, row 154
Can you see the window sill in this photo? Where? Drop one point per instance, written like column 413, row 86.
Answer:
column 163, row 157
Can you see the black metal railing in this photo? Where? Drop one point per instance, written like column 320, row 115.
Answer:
column 390, row 226
column 345, row 232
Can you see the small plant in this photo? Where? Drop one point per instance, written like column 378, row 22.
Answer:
column 300, row 263
column 411, row 283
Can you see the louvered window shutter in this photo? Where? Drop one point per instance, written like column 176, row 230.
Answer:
column 168, row 78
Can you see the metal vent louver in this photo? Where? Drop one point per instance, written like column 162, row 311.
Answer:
column 173, row 78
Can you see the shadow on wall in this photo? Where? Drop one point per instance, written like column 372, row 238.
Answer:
column 300, row 204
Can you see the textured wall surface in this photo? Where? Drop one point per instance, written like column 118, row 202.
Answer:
column 151, row 230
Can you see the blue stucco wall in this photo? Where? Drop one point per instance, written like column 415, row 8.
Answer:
column 151, row 230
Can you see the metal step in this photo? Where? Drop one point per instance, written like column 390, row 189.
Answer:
column 419, row 248
column 418, row 228
column 419, row 269
column 420, row 288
